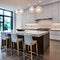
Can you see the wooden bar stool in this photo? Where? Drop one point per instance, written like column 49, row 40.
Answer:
column 29, row 42
column 15, row 39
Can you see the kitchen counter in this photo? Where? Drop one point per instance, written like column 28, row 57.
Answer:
column 42, row 38
column 32, row 32
column 58, row 29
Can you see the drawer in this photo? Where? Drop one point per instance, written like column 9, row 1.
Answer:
column 54, row 32
column 55, row 37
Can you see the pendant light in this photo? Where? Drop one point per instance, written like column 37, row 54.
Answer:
column 38, row 9
column 31, row 8
column 19, row 10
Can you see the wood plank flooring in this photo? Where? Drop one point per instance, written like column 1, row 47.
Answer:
column 53, row 53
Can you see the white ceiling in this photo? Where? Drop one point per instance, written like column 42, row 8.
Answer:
column 14, row 4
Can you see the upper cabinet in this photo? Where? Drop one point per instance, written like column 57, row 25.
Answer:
column 59, row 12
column 28, row 17
column 47, row 11
column 18, row 21
column 55, row 12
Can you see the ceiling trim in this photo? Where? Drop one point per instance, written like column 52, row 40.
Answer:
column 49, row 2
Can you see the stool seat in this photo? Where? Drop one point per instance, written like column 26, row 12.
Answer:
column 18, row 40
column 32, row 43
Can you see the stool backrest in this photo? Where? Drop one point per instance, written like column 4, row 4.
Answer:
column 3, row 36
column 28, row 39
column 14, row 37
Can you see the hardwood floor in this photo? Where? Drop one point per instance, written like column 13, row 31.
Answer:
column 53, row 53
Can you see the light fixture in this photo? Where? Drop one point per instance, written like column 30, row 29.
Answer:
column 16, row 11
column 38, row 9
column 31, row 9
column 19, row 10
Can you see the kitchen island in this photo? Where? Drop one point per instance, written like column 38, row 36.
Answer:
column 42, row 38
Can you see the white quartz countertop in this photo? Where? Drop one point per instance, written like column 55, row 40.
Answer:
column 55, row 29
column 31, row 32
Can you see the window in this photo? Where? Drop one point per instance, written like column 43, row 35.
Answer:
column 1, row 26
column 1, row 12
column 7, row 13
column 7, row 23
column 6, row 20
column 1, row 18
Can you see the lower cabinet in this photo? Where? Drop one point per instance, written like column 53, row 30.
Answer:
column 55, row 34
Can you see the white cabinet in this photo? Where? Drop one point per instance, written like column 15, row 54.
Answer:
column 55, row 13
column 55, row 34
column 59, row 12
column 18, row 21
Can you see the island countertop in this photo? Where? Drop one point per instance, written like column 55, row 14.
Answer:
column 32, row 32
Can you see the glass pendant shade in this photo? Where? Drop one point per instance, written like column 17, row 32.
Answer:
column 16, row 11
column 31, row 9
column 19, row 11
column 38, row 9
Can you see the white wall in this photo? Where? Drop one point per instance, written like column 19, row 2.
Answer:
column 49, row 11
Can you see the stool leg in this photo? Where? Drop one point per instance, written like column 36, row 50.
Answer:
column 13, row 45
column 22, row 44
column 24, row 51
column 18, row 48
column 11, row 48
column 36, row 49
column 28, row 48
column 1, row 44
column 31, row 52
column 6, row 45
column 9, row 43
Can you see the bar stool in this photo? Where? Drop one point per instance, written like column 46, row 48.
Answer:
column 4, row 38
column 29, row 42
column 15, row 39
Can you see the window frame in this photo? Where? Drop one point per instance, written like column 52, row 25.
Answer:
column 7, row 16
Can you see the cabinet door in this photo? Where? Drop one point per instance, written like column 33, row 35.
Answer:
column 18, row 21
column 47, row 11
column 55, row 35
column 59, row 12
column 55, row 12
